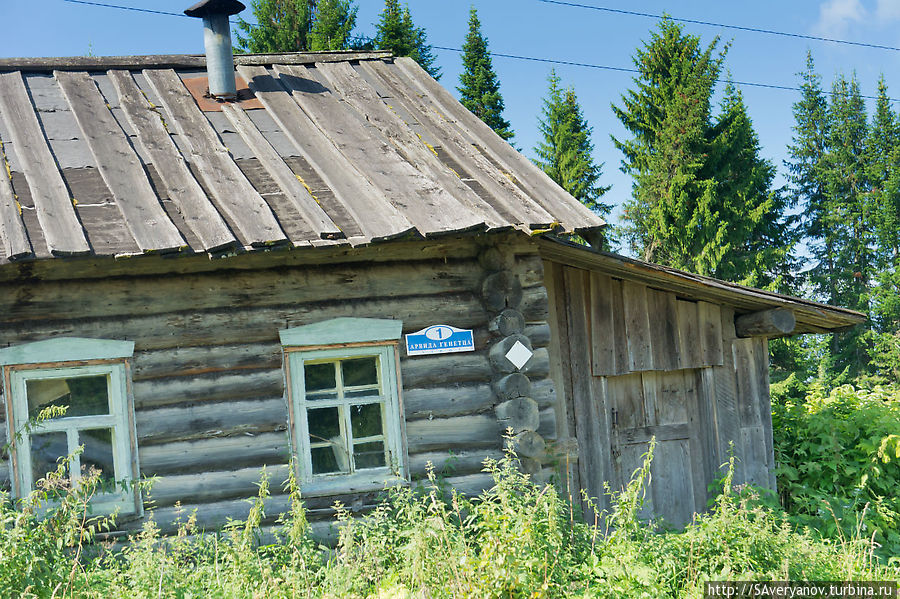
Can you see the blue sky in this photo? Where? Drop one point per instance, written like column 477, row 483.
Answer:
column 542, row 30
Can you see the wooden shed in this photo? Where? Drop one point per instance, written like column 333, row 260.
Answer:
column 213, row 287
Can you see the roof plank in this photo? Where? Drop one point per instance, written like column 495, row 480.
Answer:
column 181, row 186
column 233, row 193
column 505, row 196
column 377, row 218
column 12, row 230
column 287, row 181
column 573, row 214
column 55, row 212
column 426, row 204
column 119, row 166
column 357, row 92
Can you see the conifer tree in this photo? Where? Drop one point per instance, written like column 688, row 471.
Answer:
column 701, row 197
column 758, row 240
column 281, row 26
column 883, row 162
column 332, row 26
column 395, row 31
column 480, row 89
column 566, row 151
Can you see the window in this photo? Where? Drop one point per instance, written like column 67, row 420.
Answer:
column 345, row 409
column 89, row 379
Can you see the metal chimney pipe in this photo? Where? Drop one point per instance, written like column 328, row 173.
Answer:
column 217, row 41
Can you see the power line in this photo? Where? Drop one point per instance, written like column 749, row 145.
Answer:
column 723, row 25
column 133, row 8
column 635, row 71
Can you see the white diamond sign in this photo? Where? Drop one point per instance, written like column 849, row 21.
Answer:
column 518, row 354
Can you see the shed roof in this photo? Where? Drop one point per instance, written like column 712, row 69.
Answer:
column 811, row 317
column 122, row 156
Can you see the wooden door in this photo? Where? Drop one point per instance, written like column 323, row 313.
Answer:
column 663, row 405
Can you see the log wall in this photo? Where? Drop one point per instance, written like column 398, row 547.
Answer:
column 207, row 369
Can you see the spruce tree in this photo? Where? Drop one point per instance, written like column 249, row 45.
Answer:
column 332, row 26
column 883, row 163
column 281, row 26
column 840, row 238
column 566, row 151
column 480, row 89
column 395, row 31
column 757, row 239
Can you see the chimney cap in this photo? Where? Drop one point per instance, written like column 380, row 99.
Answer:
column 207, row 8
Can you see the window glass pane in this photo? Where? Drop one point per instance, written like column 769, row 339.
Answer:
column 319, row 376
column 369, row 455
column 362, row 393
column 98, row 455
column 324, row 460
column 366, row 420
column 360, row 371
column 82, row 396
column 321, row 395
column 46, row 450
column 324, row 424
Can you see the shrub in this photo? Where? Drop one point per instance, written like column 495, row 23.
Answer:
column 838, row 457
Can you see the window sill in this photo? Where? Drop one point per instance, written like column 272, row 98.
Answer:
column 352, row 483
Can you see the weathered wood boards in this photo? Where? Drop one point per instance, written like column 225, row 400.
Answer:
column 181, row 186
column 427, row 205
column 319, row 223
column 635, row 328
column 55, row 212
column 376, row 217
column 119, row 166
column 12, row 231
column 233, row 193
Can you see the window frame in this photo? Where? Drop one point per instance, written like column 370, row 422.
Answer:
column 330, row 341
column 71, row 358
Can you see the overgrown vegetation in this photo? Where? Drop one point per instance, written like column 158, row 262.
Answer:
column 838, row 456
column 517, row 539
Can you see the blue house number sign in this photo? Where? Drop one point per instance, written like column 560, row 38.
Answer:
column 439, row 339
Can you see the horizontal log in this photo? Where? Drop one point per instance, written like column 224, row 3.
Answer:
column 508, row 322
column 539, row 334
column 529, row 267
column 448, row 462
column 256, row 325
column 547, row 426
column 270, row 287
column 215, row 453
column 215, row 387
column 214, row 486
column 440, row 402
column 765, row 323
column 544, row 392
column 499, row 361
column 192, row 361
column 539, row 365
column 429, row 371
column 210, row 419
column 535, row 304
column 529, row 444
column 511, row 386
column 520, row 414
column 501, row 290
column 480, row 430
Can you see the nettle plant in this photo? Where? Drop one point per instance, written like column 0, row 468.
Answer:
column 838, row 457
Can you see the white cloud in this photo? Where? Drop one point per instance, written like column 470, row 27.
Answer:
column 887, row 11
column 835, row 16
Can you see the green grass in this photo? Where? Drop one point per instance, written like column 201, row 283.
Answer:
column 516, row 539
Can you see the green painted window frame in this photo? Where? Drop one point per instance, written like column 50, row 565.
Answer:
column 73, row 358
column 330, row 342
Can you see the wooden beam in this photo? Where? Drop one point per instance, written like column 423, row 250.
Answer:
column 776, row 322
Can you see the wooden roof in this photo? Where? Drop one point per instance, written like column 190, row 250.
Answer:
column 811, row 317
column 116, row 157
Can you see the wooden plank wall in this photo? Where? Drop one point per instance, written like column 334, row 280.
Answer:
column 609, row 331
column 208, row 383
